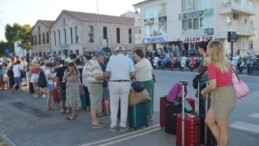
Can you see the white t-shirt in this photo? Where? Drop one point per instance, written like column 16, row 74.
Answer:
column 84, row 76
column 16, row 70
column 143, row 70
column 47, row 72
column 120, row 67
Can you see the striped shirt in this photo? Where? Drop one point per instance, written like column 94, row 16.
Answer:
column 93, row 70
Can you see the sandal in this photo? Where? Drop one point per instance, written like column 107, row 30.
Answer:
column 99, row 114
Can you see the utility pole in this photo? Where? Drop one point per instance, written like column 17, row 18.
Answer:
column 98, row 25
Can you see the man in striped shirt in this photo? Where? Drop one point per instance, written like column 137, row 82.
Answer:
column 95, row 78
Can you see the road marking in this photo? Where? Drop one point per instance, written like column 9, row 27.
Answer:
column 254, row 115
column 145, row 130
column 8, row 140
column 245, row 127
column 130, row 137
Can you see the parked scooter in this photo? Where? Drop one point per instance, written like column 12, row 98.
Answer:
column 165, row 63
column 193, row 64
column 155, row 62
column 183, row 63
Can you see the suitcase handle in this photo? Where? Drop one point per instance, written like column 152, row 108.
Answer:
column 184, row 84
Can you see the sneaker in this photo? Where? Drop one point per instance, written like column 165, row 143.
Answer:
column 67, row 112
column 124, row 128
column 113, row 128
column 44, row 96
column 35, row 95
column 106, row 114
column 97, row 125
column 61, row 111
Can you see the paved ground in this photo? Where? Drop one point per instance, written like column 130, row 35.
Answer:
column 24, row 120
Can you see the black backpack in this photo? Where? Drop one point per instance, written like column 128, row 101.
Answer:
column 42, row 81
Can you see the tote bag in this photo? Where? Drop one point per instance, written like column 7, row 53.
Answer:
column 241, row 88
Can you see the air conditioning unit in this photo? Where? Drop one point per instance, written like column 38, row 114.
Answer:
column 235, row 16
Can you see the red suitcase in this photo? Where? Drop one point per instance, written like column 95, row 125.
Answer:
column 163, row 103
column 55, row 95
column 188, row 127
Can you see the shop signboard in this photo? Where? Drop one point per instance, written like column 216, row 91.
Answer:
column 159, row 39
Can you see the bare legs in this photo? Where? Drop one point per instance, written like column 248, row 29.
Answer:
column 219, row 128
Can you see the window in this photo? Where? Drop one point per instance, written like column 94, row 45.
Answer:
column 43, row 37
column 155, row 11
column 149, row 30
column 55, row 53
column 130, row 35
column 35, row 40
column 47, row 38
column 162, row 25
column 184, row 25
column 59, row 52
column 59, row 39
column 55, row 39
column 190, row 5
column 76, row 34
column 196, row 23
column 202, row 22
column 189, row 23
column 118, row 35
column 104, row 32
column 71, row 51
column 251, row 45
column 65, row 36
column 71, row 35
column 32, row 41
column 39, row 39
column 77, row 52
column 91, row 34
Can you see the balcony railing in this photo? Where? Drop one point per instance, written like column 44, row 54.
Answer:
column 237, row 6
column 241, row 30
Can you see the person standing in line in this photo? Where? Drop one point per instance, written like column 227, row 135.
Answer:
column 50, row 86
column 71, row 76
column 17, row 76
column 85, row 81
column 35, row 71
column 61, row 85
column 106, row 93
column 144, row 70
column 95, row 78
column 222, row 92
column 119, row 70
column 43, row 68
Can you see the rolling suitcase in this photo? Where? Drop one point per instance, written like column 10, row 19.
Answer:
column 163, row 103
column 55, row 95
column 188, row 127
column 171, row 112
column 137, row 115
column 207, row 138
column 31, row 89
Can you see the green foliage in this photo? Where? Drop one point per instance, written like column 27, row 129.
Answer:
column 16, row 33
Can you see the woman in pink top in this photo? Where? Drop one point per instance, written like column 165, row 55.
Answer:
column 35, row 71
column 222, row 92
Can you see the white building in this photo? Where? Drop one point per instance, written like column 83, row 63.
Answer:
column 79, row 32
column 40, row 37
column 185, row 22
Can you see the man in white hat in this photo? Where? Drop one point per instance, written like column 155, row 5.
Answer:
column 119, row 70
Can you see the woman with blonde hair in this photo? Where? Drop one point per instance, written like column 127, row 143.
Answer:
column 222, row 92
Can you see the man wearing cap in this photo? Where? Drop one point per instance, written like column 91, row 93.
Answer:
column 119, row 70
column 95, row 78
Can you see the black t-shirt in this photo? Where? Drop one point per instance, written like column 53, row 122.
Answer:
column 60, row 73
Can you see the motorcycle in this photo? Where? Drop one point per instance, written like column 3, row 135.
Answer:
column 165, row 63
column 193, row 64
column 155, row 62
column 183, row 63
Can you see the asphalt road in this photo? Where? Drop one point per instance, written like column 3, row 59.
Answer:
column 24, row 120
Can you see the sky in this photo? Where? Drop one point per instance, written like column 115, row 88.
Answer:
column 29, row 11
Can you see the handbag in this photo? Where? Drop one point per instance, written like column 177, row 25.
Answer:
column 138, row 86
column 240, row 87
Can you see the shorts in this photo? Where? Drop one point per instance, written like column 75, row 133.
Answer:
column 49, row 87
column 34, row 78
column 106, row 94
column 223, row 102
column 62, row 94
column 17, row 80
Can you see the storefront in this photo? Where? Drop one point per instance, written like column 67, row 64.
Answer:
column 151, row 43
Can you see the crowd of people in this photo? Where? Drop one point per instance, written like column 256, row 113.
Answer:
column 98, row 78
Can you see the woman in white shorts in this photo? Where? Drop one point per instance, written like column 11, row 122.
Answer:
column 35, row 71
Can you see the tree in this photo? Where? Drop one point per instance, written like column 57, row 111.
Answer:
column 18, row 33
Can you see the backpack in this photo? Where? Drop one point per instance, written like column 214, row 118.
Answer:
column 174, row 91
column 42, row 81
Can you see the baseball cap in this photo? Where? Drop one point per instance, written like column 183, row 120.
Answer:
column 120, row 48
column 100, row 53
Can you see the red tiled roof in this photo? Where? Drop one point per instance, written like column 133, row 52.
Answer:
column 91, row 17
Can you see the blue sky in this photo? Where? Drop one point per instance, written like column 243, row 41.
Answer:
column 29, row 11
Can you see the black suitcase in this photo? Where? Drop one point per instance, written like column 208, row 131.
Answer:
column 171, row 112
column 207, row 138
column 137, row 115
column 31, row 89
